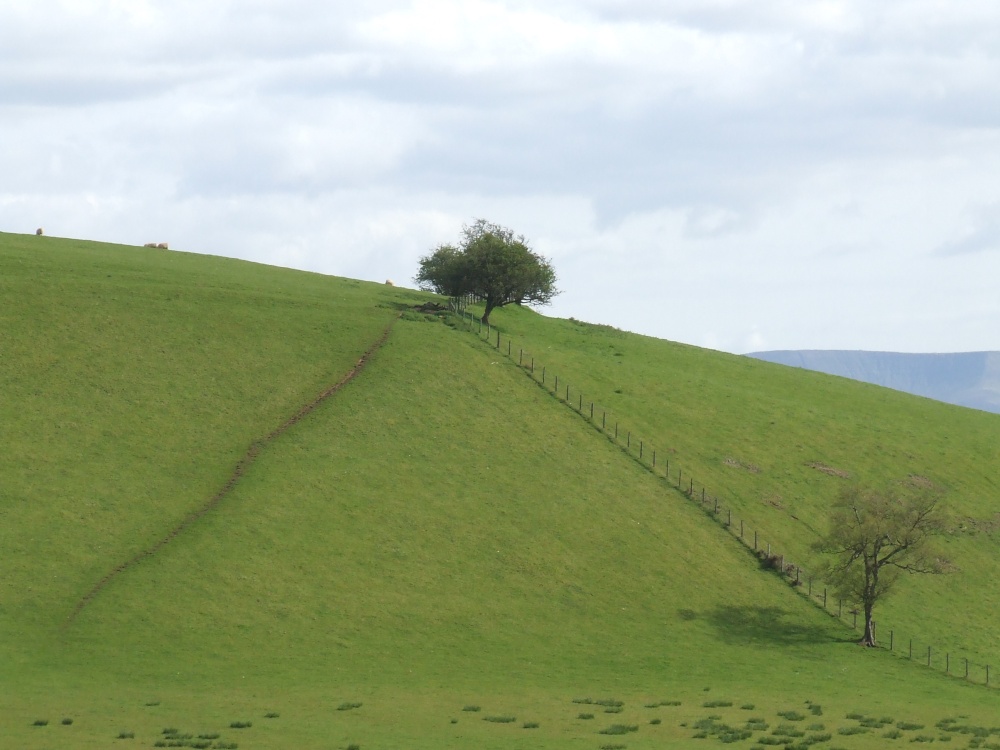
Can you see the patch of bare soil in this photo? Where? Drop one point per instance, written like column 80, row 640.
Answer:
column 829, row 470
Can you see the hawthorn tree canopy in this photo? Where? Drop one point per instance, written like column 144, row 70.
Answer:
column 874, row 537
column 490, row 262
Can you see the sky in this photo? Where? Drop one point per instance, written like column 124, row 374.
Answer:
column 739, row 175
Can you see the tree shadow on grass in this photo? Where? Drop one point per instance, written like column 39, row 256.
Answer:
column 764, row 625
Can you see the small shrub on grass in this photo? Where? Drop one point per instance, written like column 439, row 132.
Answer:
column 170, row 730
column 354, row 746
column 791, row 715
column 907, row 726
column 620, row 729
column 67, row 722
column 609, row 703
column 613, row 747
column 348, row 706
column 814, row 739
column 654, row 721
column 153, row 703
column 126, row 735
column 613, row 710
column 922, row 738
column 815, row 709
column 771, row 741
column 786, row 730
column 271, row 715
column 852, row 730
column 226, row 746
column 209, row 736
column 585, row 701
column 585, row 716
column 855, row 716
column 40, row 723
column 947, row 738
column 716, row 704
column 500, row 719
column 240, row 724
column 748, row 707
column 756, row 725
column 530, row 725
column 893, row 734
column 816, row 727
column 473, row 709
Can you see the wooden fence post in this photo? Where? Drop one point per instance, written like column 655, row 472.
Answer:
column 824, row 597
column 928, row 656
column 520, row 357
column 754, row 541
column 532, row 365
column 890, row 640
column 604, row 419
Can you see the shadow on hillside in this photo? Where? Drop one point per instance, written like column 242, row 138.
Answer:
column 765, row 625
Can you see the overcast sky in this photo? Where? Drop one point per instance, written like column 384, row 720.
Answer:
column 767, row 174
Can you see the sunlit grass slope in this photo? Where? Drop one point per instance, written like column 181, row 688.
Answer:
column 440, row 535
column 777, row 444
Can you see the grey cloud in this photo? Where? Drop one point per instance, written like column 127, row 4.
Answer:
column 982, row 237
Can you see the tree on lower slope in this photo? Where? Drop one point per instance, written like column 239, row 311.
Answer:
column 874, row 537
column 492, row 263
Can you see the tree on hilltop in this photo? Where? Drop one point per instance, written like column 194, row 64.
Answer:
column 493, row 263
column 874, row 537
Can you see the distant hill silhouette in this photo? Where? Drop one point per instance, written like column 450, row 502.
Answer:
column 967, row 379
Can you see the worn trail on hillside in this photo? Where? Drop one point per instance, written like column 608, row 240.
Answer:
column 238, row 472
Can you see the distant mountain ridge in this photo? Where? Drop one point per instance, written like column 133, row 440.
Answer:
column 969, row 379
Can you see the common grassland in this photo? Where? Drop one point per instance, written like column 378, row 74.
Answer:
column 440, row 536
column 776, row 444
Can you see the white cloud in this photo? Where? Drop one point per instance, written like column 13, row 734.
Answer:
column 805, row 173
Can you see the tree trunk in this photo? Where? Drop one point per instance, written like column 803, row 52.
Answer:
column 869, row 637
column 490, row 307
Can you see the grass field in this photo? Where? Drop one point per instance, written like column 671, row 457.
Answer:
column 440, row 555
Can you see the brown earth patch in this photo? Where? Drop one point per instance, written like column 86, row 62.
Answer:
column 829, row 470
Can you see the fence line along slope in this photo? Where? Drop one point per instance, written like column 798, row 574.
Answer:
column 777, row 444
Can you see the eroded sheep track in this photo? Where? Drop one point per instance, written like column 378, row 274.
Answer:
column 240, row 469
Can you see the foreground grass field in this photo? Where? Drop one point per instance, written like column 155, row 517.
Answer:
column 441, row 555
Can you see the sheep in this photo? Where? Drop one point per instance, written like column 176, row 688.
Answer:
column 162, row 246
column 150, row 244
column 388, row 282
column 39, row 231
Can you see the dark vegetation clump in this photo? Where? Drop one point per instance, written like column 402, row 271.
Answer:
column 620, row 729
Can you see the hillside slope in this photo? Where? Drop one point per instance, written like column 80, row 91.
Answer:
column 969, row 379
column 776, row 444
column 440, row 535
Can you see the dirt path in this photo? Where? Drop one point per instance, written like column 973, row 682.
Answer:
column 241, row 468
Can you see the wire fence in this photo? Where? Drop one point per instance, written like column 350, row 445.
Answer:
column 754, row 539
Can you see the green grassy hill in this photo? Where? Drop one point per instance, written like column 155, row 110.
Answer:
column 439, row 535
column 776, row 444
